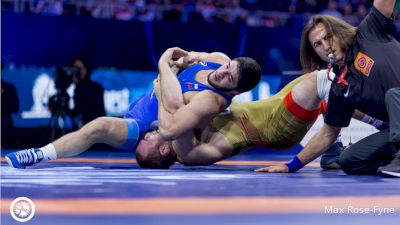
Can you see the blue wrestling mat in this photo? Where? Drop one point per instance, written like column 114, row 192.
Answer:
column 101, row 187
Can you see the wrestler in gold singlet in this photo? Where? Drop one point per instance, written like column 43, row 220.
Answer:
column 276, row 123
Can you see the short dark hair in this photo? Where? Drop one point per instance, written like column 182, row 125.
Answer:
column 249, row 74
column 155, row 160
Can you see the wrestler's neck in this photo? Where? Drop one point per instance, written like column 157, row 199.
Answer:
column 202, row 77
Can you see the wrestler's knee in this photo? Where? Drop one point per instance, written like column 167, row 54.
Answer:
column 97, row 128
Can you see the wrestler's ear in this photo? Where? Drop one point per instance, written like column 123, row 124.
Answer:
column 164, row 149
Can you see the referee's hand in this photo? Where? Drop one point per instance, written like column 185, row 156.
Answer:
column 274, row 169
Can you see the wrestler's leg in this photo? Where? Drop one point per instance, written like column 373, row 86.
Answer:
column 116, row 132
column 295, row 113
column 107, row 130
column 305, row 93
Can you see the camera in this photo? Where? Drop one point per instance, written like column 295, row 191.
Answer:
column 64, row 76
column 59, row 103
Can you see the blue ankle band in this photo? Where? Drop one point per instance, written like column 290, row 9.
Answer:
column 294, row 164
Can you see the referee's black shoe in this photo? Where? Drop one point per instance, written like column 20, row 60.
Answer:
column 392, row 169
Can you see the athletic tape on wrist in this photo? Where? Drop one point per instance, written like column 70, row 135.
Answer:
column 294, row 164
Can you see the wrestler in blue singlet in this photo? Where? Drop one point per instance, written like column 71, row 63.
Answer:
column 144, row 111
column 140, row 115
column 188, row 83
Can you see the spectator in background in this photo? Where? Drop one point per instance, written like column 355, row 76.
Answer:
column 332, row 9
column 206, row 8
column 307, row 6
column 290, row 13
column 272, row 20
column 145, row 12
column 230, row 11
column 49, row 7
column 172, row 10
column 103, row 9
column 348, row 14
column 361, row 13
column 124, row 10
column 85, row 8
column 188, row 9
column 9, row 105
column 88, row 97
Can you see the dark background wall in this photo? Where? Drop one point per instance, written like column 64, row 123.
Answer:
column 48, row 41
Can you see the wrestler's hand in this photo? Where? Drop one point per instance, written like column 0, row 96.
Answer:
column 274, row 169
column 183, row 62
column 176, row 66
column 172, row 54
column 190, row 60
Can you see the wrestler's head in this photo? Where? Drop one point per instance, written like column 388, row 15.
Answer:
column 239, row 75
column 153, row 152
column 321, row 36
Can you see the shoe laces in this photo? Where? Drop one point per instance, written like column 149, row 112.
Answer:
column 27, row 156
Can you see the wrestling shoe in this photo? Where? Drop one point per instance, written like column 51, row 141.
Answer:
column 330, row 159
column 392, row 169
column 23, row 158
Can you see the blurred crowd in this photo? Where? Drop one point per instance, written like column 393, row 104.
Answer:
column 252, row 12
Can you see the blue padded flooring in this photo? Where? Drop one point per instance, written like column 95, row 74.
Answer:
column 100, row 187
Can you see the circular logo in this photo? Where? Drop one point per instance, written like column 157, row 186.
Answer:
column 361, row 62
column 22, row 209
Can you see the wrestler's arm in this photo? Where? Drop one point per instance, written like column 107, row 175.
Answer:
column 201, row 155
column 202, row 108
column 196, row 57
column 217, row 57
column 318, row 144
column 385, row 6
column 170, row 91
column 186, row 147
column 191, row 153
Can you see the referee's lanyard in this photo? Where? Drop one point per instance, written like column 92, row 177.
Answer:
column 341, row 81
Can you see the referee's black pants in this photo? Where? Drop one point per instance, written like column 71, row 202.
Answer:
column 365, row 156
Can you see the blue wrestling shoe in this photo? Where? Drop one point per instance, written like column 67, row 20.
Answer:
column 330, row 159
column 24, row 158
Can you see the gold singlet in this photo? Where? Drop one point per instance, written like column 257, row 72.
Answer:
column 276, row 123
